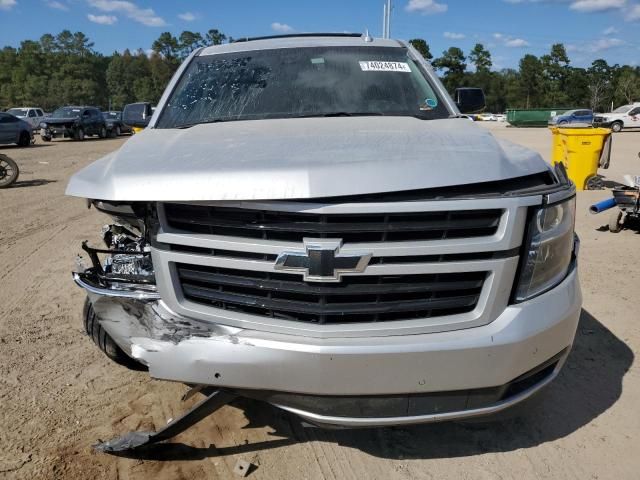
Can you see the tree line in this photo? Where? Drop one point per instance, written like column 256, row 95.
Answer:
column 64, row 69
column 539, row 82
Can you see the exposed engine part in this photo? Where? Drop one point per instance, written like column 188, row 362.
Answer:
column 127, row 259
column 135, row 264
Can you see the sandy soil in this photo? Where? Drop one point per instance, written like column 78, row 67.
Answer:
column 59, row 394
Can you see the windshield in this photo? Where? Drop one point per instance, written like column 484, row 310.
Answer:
column 111, row 115
column 18, row 112
column 66, row 112
column 623, row 109
column 301, row 82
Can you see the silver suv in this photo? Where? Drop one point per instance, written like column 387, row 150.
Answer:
column 308, row 221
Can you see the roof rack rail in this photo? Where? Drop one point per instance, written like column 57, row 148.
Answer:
column 297, row 35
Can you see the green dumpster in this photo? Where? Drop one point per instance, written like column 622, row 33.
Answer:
column 532, row 117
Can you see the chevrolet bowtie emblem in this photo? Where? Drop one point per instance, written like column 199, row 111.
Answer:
column 321, row 261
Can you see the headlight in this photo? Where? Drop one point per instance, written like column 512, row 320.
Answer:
column 548, row 249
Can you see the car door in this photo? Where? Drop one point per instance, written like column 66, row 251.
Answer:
column 580, row 116
column 99, row 119
column 86, row 122
column 32, row 117
column 633, row 118
column 4, row 128
column 96, row 120
column 9, row 128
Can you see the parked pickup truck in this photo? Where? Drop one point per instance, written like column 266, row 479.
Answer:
column 31, row 115
column 73, row 122
column 307, row 221
column 626, row 116
column 115, row 127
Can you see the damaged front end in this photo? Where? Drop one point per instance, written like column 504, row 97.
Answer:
column 123, row 268
column 124, row 314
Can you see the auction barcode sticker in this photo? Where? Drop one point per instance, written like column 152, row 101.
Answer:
column 374, row 66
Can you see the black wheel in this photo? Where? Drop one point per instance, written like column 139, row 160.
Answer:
column 562, row 122
column 103, row 132
column 616, row 126
column 25, row 139
column 79, row 135
column 9, row 171
column 45, row 138
column 616, row 221
column 594, row 183
column 118, row 131
column 104, row 342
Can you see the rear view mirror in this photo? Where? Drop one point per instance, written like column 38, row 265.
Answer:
column 469, row 100
column 137, row 114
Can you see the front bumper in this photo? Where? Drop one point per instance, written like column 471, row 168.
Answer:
column 57, row 131
column 602, row 123
column 524, row 337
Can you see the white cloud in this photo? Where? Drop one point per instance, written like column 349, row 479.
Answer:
column 426, row 7
column 587, row 6
column 102, row 19
column 187, row 16
column 509, row 41
column 145, row 16
column 7, row 4
column 597, row 5
column 454, row 35
column 516, row 43
column 633, row 13
column 596, row 46
column 56, row 5
column 610, row 31
column 281, row 27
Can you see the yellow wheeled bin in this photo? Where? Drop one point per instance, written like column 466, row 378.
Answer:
column 582, row 149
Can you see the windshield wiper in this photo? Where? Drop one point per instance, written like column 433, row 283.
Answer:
column 341, row 114
column 215, row 120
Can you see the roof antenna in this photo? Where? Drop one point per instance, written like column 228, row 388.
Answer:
column 366, row 37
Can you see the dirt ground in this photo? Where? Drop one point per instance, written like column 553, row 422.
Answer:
column 59, row 394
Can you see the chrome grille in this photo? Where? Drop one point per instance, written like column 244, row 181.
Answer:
column 356, row 299
column 436, row 265
column 294, row 226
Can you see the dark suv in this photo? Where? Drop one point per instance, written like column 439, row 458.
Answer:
column 73, row 122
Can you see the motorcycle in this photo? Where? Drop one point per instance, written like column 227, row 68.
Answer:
column 9, row 171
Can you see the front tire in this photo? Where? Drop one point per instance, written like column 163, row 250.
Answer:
column 104, row 342
column 9, row 171
column 79, row 135
column 616, row 126
column 103, row 132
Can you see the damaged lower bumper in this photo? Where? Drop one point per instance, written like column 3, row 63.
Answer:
column 352, row 382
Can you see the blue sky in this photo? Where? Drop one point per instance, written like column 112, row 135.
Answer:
column 590, row 29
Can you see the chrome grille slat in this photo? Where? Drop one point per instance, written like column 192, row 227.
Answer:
column 294, row 226
column 214, row 276
column 376, row 297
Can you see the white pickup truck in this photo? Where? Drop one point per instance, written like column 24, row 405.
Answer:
column 627, row 116
column 31, row 115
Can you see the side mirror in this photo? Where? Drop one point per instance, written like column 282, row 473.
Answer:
column 470, row 100
column 137, row 114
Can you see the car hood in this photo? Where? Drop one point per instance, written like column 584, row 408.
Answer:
column 301, row 158
column 61, row 120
